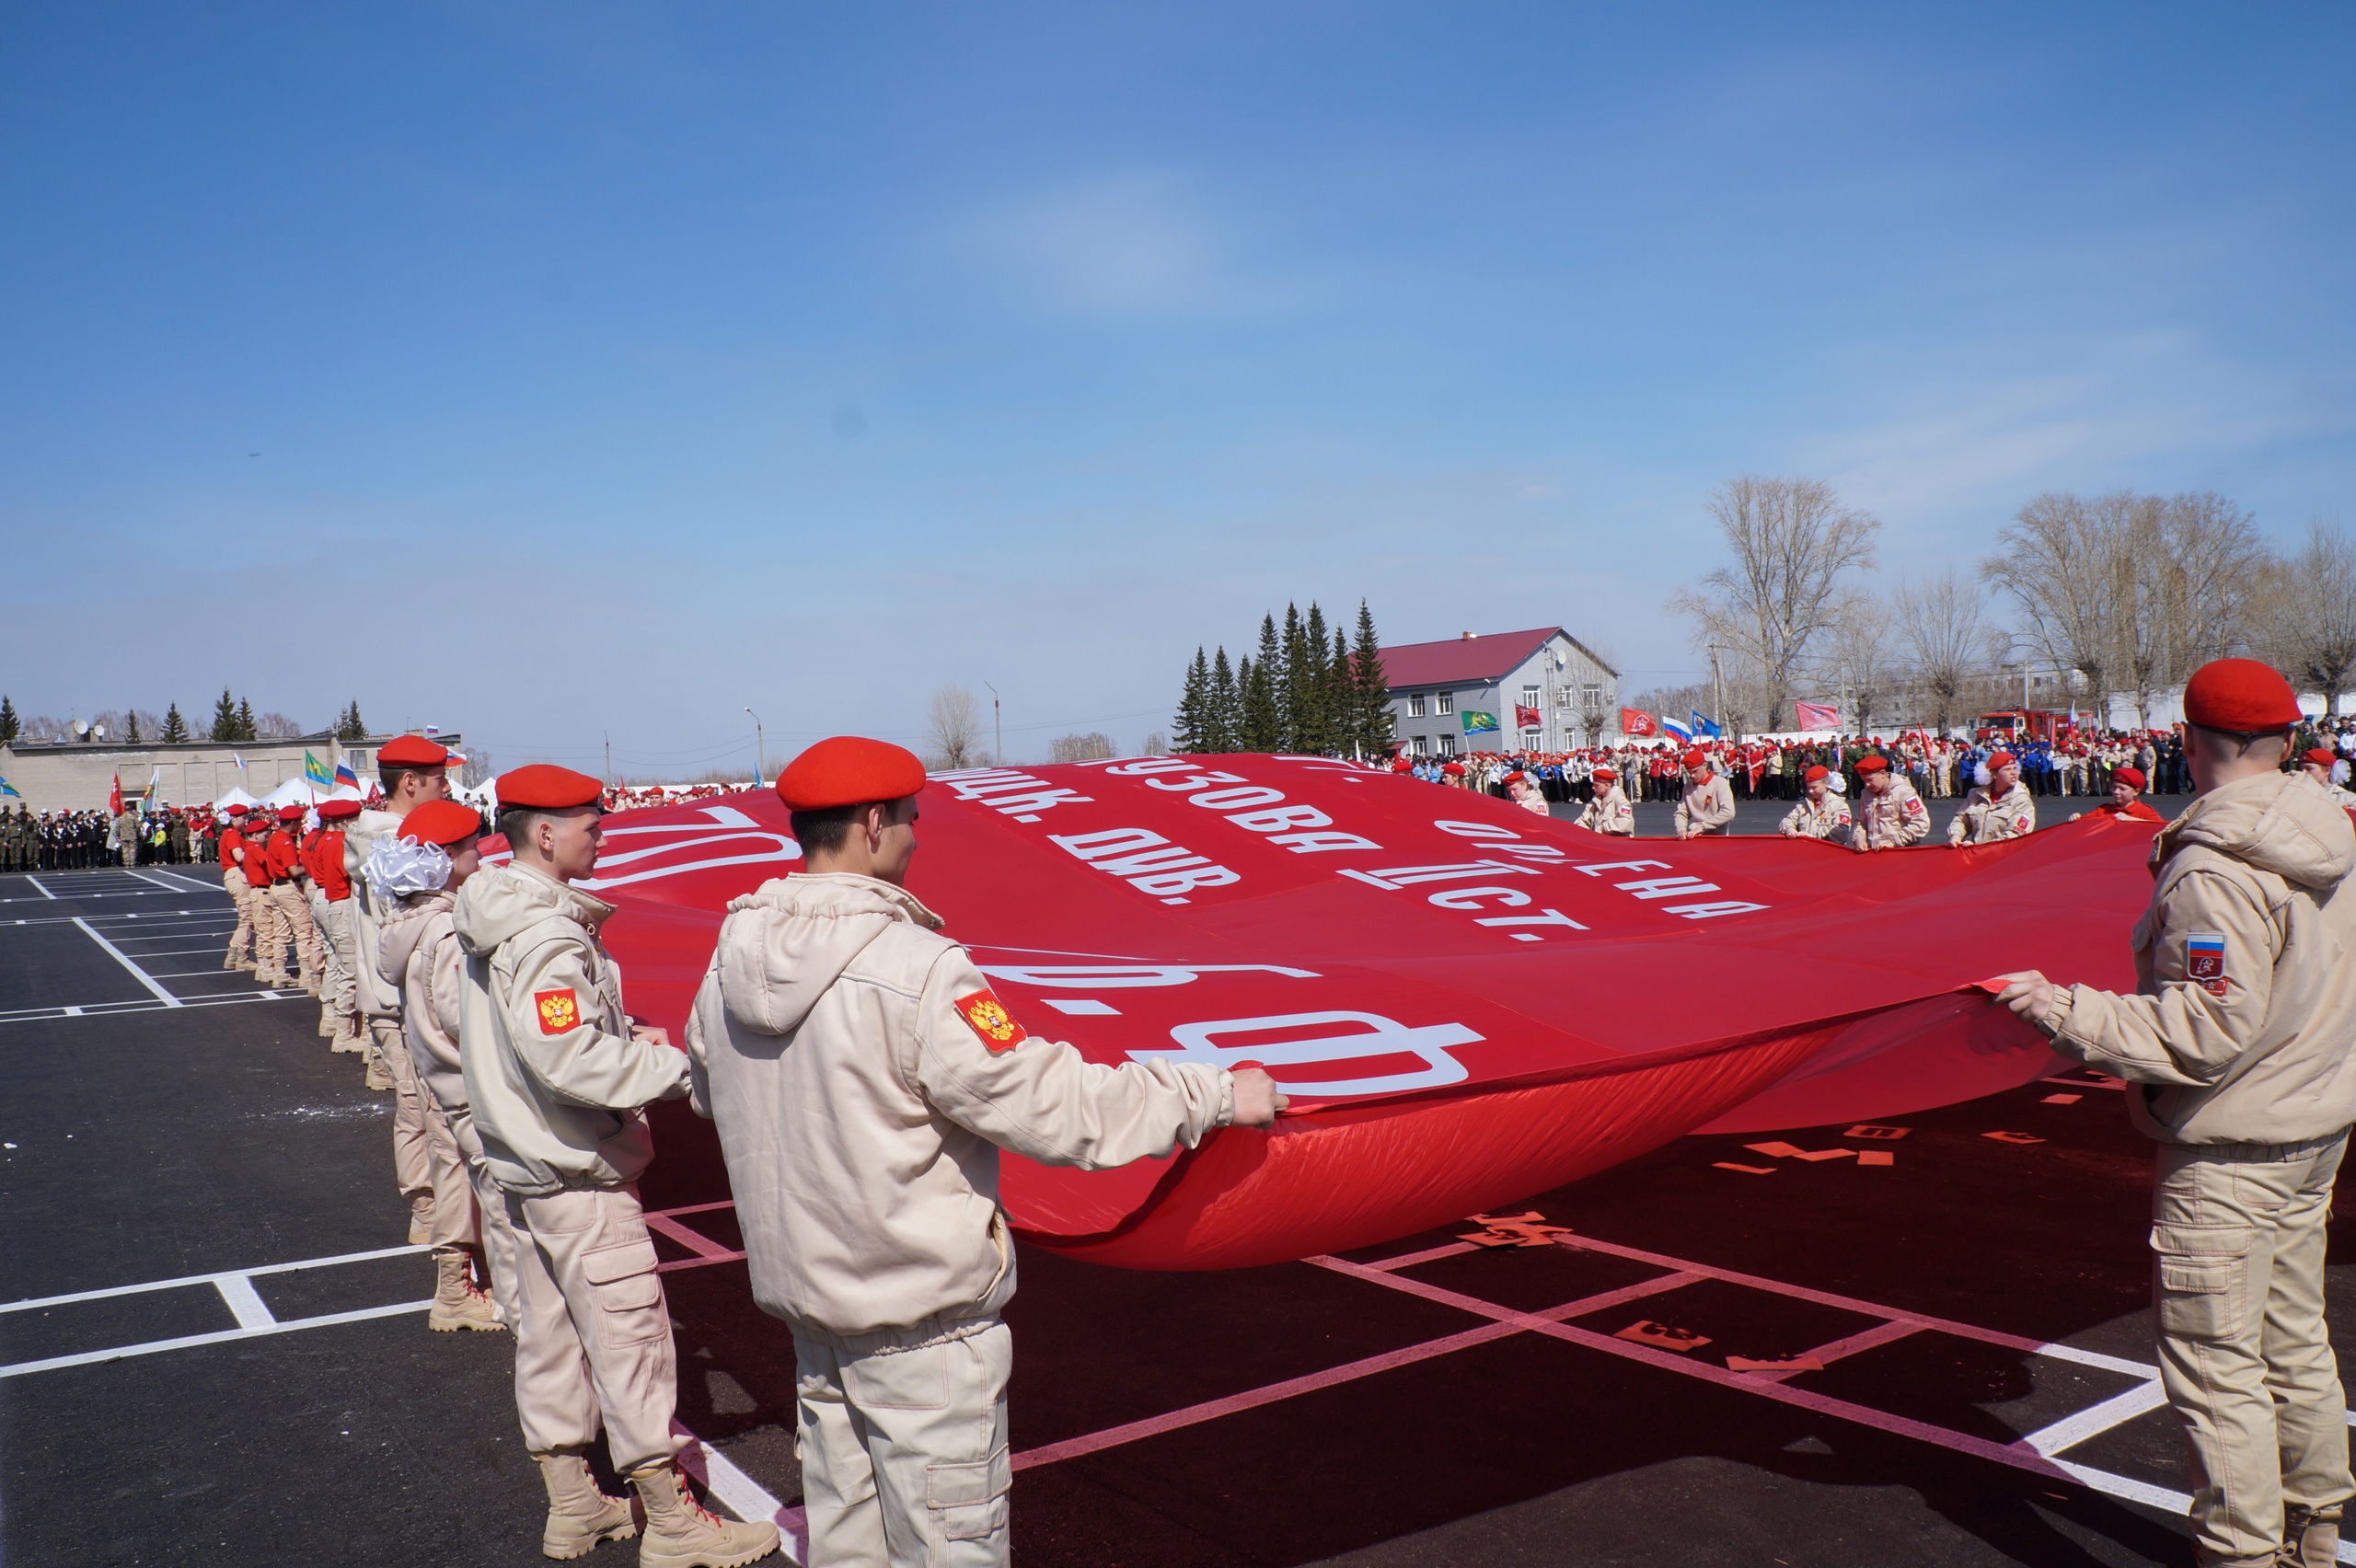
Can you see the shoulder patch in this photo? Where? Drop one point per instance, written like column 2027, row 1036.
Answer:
column 2204, row 959
column 559, row 1010
column 990, row 1021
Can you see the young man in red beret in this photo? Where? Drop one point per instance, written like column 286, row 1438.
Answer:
column 2126, row 788
column 1888, row 813
column 331, row 909
column 1523, row 791
column 412, row 771
column 2003, row 808
column 288, row 899
column 233, row 878
column 1608, row 813
column 2317, row 765
column 418, row 951
column 558, row 1078
column 1821, row 813
column 1707, row 806
column 2239, row 1049
column 863, row 1077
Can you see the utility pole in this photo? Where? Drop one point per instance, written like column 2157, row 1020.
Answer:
column 760, row 751
column 1718, row 692
column 997, row 728
column 609, row 759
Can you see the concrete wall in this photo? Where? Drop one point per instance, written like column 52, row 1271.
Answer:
column 76, row 777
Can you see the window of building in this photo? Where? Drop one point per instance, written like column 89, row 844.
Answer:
column 1529, row 697
column 1415, row 704
column 1415, row 746
column 1591, row 695
column 1447, row 743
column 1446, row 703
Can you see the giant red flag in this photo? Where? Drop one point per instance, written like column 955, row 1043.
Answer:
column 1466, row 1004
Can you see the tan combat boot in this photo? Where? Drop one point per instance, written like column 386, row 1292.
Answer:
column 2310, row 1537
column 421, row 1218
column 378, row 1078
column 579, row 1513
column 681, row 1534
column 347, row 1035
column 456, row 1303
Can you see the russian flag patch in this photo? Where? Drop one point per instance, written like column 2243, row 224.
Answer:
column 2204, row 961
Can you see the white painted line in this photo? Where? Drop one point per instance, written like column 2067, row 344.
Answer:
column 124, row 959
column 184, row 883
column 188, row 1342
column 187, row 1280
column 245, row 1304
column 2095, row 1420
column 73, row 1012
column 167, row 887
column 108, row 1010
column 693, row 1240
column 44, row 892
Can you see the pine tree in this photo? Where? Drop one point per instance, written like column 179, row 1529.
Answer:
column 1312, row 718
column 1341, row 699
column 349, row 726
column 245, row 729
column 175, row 727
column 10, row 725
column 1191, row 732
column 1221, row 705
column 1376, row 731
column 131, row 725
column 224, row 718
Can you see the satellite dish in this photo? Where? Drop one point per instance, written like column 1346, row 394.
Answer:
column 98, row 731
column 80, row 729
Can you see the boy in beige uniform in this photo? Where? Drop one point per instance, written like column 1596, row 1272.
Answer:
column 1889, row 815
column 2002, row 809
column 2239, row 1049
column 1609, row 812
column 558, row 1077
column 1707, row 807
column 863, row 1077
column 1821, row 813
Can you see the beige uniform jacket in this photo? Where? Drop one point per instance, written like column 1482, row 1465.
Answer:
column 860, row 1113
column 417, row 949
column 1990, row 819
column 1534, row 801
column 2243, row 1024
column 1708, row 805
column 556, row 1081
column 1609, row 813
column 1890, row 821
column 1830, row 822
column 377, row 998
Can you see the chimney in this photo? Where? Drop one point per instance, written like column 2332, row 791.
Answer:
column 1467, row 636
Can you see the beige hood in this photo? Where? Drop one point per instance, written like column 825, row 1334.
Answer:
column 401, row 930
column 2283, row 822
column 499, row 902
column 791, row 939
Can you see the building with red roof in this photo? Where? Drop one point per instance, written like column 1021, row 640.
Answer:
column 1539, row 690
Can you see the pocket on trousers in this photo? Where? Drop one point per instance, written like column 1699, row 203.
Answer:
column 2198, row 1274
column 908, row 1379
column 623, row 1283
column 968, row 1501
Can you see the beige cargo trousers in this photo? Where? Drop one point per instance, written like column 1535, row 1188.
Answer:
column 241, row 953
column 293, row 912
column 2237, row 1243
column 904, row 1453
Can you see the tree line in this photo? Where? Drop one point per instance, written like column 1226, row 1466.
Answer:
column 2118, row 596
column 234, row 719
column 1307, row 690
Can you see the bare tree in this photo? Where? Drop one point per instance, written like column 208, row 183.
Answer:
column 478, row 767
column 1944, row 622
column 953, row 728
column 1859, row 659
column 276, row 727
column 2215, row 562
column 1080, row 748
column 1156, row 744
column 1795, row 545
column 2067, row 563
column 2310, row 614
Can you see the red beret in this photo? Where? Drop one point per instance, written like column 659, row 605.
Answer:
column 1516, row 776
column 336, row 811
column 1997, row 760
column 546, row 787
column 1610, row 773
column 848, row 770
column 1696, row 759
column 412, row 751
column 1813, row 774
column 240, row 810
column 290, row 813
column 2321, row 756
column 1454, row 769
column 441, row 822
column 2240, row 695
column 1872, row 763
column 2128, row 776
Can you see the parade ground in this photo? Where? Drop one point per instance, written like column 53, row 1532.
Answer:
column 1760, row 1349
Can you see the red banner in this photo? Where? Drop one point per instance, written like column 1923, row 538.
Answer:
column 1528, row 718
column 1636, row 721
column 114, row 796
column 1467, row 1004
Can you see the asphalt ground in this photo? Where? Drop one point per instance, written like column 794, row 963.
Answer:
column 1426, row 1402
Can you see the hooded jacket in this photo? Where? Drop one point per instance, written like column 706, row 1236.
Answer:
column 418, row 955
column 2243, row 1027
column 863, row 1077
column 556, row 1081
column 377, row 998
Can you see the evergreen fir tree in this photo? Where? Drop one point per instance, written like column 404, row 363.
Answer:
column 1192, row 729
column 245, row 729
column 224, row 718
column 1223, row 708
column 1342, row 698
column 1260, row 730
column 349, row 726
column 175, row 727
column 1312, row 720
column 1292, row 672
column 10, row 725
column 1377, row 731
column 131, row 725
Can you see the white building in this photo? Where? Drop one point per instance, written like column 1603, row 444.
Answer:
column 1500, row 691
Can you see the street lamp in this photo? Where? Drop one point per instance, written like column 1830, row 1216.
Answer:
column 997, row 727
column 760, row 751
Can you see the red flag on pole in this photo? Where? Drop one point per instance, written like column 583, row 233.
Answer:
column 114, row 799
column 1636, row 721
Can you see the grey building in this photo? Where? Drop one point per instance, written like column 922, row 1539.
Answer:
column 78, row 774
column 1535, row 691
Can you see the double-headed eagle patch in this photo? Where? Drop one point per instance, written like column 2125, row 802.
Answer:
column 559, row 1010
column 990, row 1021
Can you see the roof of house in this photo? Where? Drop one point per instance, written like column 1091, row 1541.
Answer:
column 1469, row 658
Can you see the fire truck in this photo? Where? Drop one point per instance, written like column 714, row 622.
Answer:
column 2026, row 724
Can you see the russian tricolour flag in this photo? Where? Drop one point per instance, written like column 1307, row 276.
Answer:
column 1681, row 733
column 343, row 774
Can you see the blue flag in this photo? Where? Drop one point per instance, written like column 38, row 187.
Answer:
column 1704, row 727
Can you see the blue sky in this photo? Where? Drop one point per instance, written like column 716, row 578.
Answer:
column 611, row 369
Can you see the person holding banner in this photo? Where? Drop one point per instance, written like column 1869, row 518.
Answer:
column 1707, row 807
